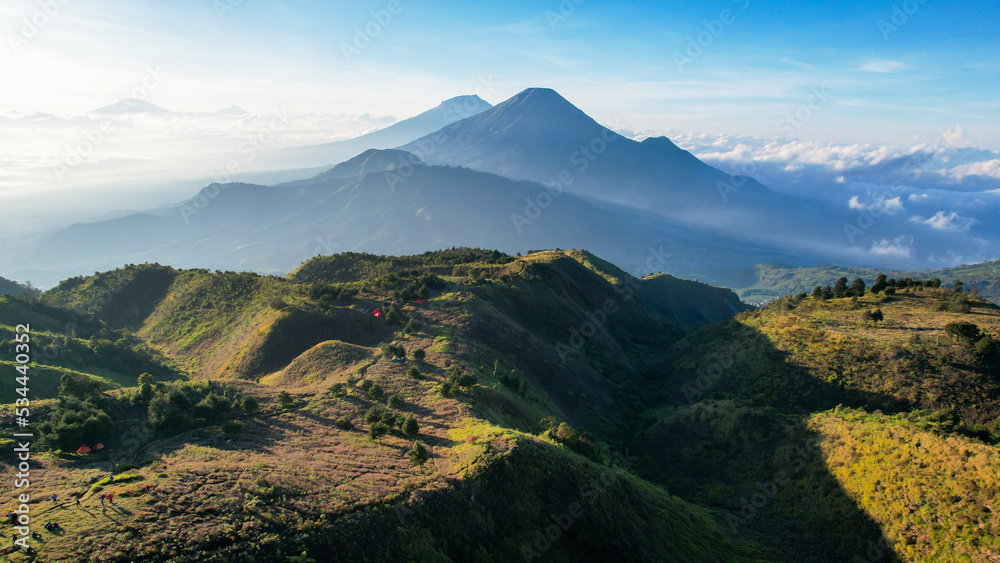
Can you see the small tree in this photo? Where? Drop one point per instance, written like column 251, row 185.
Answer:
column 840, row 289
column 419, row 355
column 285, row 400
column 232, row 428
column 395, row 401
column 959, row 286
column 250, row 405
column 817, row 293
column 374, row 415
column 877, row 315
column 375, row 391
column 413, row 372
column 418, row 455
column 338, row 389
column 858, row 288
column 365, row 385
column 446, row 390
column 985, row 349
column 377, row 430
column 146, row 387
column 410, row 427
column 344, row 423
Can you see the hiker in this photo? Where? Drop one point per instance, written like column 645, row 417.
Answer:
column 103, row 496
column 111, row 497
column 53, row 497
column 78, row 502
column 36, row 536
column 147, row 489
column 12, row 517
column 31, row 552
column 111, row 479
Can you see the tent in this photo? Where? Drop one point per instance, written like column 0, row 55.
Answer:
column 420, row 300
column 98, row 446
column 84, row 449
column 377, row 312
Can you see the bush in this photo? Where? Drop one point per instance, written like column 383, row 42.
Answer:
column 985, row 349
column 75, row 422
column 377, row 430
column 344, row 423
column 232, row 427
column 250, row 405
column 285, row 400
column 410, row 427
column 338, row 389
column 418, row 455
column 365, row 384
column 374, row 415
column 446, row 390
column 419, row 355
column 375, row 391
column 395, row 401
column 413, row 372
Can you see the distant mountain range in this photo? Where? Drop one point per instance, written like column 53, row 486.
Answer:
column 533, row 172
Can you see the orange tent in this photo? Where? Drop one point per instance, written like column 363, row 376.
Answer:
column 98, row 446
column 84, row 449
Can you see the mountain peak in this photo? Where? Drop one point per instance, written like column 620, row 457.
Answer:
column 231, row 110
column 126, row 106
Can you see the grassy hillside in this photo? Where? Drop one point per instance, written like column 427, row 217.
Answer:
column 10, row 287
column 765, row 282
column 805, row 415
column 528, row 384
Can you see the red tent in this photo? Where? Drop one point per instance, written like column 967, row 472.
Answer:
column 420, row 300
column 98, row 446
column 377, row 312
column 84, row 449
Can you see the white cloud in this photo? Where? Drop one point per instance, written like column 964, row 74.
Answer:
column 947, row 221
column 918, row 197
column 900, row 246
column 882, row 204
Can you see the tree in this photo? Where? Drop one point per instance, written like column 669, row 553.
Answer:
column 419, row 355
column 890, row 291
column 395, row 401
column 375, row 391
column 374, row 415
column 75, row 422
column 146, row 387
column 250, row 405
column 232, row 428
column 986, row 348
column 344, row 423
column 413, row 372
column 338, row 389
column 285, row 400
column 817, row 293
column 866, row 316
column 858, row 288
column 840, row 289
column 424, row 292
column 877, row 315
column 880, row 284
column 418, row 455
column 958, row 286
column 965, row 332
column 827, row 293
column 410, row 427
column 377, row 430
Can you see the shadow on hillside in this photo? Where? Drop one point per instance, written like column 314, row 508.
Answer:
column 728, row 442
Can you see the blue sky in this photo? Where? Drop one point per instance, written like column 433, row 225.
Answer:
column 937, row 67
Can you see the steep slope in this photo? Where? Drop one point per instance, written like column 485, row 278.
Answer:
column 297, row 475
column 9, row 287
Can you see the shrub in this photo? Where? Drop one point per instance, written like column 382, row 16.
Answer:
column 285, row 400
column 413, row 372
column 74, row 422
column 232, row 427
column 446, row 390
column 418, row 455
column 419, row 355
column 250, row 405
column 985, row 349
column 338, row 389
column 344, row 423
column 374, row 415
column 365, row 385
column 410, row 427
column 377, row 430
column 395, row 401
column 375, row 391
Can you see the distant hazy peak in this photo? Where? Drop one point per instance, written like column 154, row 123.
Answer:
column 127, row 106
